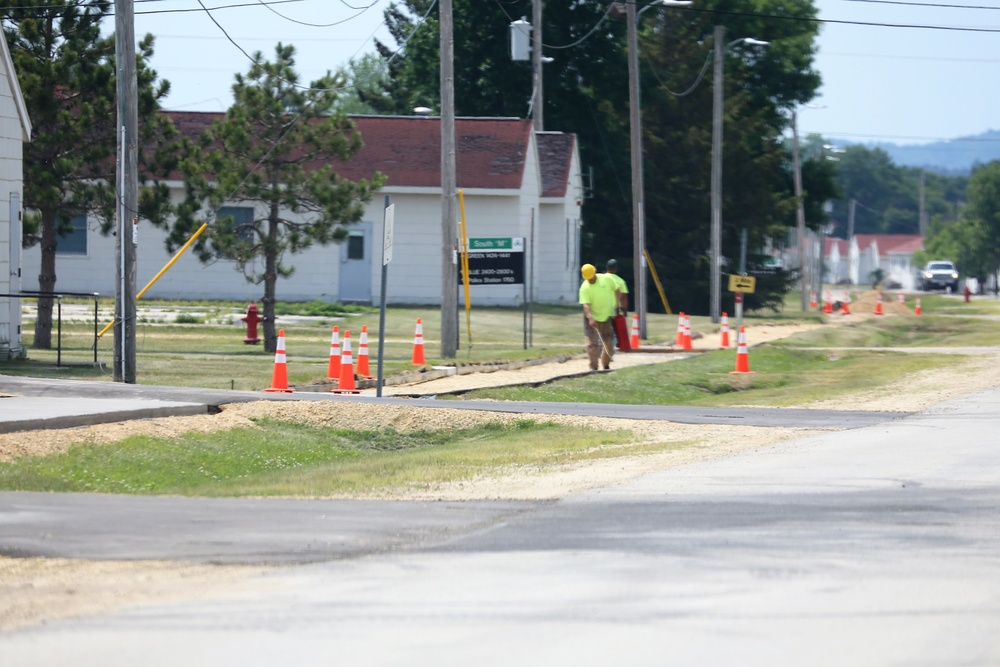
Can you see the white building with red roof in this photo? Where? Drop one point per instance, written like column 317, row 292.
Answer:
column 516, row 184
column 892, row 253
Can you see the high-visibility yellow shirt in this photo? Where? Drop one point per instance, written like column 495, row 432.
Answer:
column 600, row 295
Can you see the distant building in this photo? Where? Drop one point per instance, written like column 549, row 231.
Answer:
column 516, row 183
column 15, row 129
column 892, row 253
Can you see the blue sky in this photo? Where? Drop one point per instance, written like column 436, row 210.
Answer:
column 881, row 83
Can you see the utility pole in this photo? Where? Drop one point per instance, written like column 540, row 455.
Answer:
column 850, row 218
column 635, row 128
column 537, row 118
column 715, row 250
column 800, row 215
column 922, row 216
column 128, row 191
column 449, row 219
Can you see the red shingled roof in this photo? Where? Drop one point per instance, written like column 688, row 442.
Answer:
column 889, row 243
column 555, row 153
column 490, row 152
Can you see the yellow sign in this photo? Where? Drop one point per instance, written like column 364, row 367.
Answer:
column 742, row 283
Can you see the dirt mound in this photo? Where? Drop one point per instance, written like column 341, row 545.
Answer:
column 864, row 303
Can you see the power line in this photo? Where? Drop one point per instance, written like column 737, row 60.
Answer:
column 922, row 4
column 320, row 25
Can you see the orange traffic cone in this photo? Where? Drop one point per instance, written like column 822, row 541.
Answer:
column 633, row 342
column 333, row 369
column 679, row 342
column 812, row 299
column 916, row 308
column 742, row 356
column 418, row 345
column 363, row 370
column 279, row 379
column 901, row 298
column 844, row 308
column 725, row 330
column 687, row 332
column 346, row 383
column 878, row 305
column 827, row 307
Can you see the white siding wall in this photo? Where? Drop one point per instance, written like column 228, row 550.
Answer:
column 10, row 182
column 414, row 275
column 558, row 242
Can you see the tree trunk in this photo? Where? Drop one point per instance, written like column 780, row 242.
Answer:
column 270, row 279
column 46, row 282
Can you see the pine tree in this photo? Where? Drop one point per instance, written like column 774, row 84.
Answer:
column 66, row 70
column 272, row 150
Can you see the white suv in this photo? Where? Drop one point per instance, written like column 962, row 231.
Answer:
column 939, row 274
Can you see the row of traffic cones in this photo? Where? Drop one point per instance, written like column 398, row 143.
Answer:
column 341, row 365
column 683, row 339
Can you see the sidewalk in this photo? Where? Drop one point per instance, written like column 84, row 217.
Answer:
column 34, row 403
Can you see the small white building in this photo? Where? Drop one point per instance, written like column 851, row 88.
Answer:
column 892, row 253
column 515, row 183
column 15, row 129
column 835, row 261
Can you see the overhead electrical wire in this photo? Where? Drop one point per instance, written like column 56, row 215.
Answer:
column 320, row 25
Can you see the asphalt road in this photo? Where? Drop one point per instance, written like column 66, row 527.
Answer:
column 873, row 546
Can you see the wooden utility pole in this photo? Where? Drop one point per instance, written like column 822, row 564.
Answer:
column 800, row 216
column 922, row 216
column 715, row 231
column 635, row 144
column 449, row 219
column 537, row 119
column 128, row 191
column 850, row 218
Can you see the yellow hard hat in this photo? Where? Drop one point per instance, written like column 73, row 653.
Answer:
column 588, row 271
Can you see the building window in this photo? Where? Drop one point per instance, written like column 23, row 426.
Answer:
column 239, row 218
column 74, row 242
column 356, row 246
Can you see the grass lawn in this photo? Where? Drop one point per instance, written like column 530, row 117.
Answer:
column 281, row 458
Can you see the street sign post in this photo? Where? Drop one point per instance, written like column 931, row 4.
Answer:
column 742, row 283
column 496, row 261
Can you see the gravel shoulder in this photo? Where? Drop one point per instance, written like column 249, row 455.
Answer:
column 34, row 590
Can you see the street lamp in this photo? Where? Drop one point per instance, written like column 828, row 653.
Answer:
column 715, row 241
column 635, row 132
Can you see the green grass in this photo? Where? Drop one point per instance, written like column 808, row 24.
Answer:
column 924, row 331
column 280, row 458
column 286, row 459
column 781, row 377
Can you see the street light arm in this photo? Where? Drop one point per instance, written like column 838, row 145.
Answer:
column 747, row 40
column 663, row 3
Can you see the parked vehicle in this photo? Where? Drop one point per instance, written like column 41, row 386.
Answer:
column 939, row 274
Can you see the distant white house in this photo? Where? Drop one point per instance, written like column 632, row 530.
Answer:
column 892, row 253
column 836, row 264
column 516, row 184
column 15, row 129
column 853, row 261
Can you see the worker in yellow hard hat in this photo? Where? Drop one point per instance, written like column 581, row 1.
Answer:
column 598, row 296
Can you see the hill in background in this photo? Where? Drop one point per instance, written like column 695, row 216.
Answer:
column 952, row 157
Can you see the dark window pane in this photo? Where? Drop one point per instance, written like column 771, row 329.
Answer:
column 75, row 242
column 237, row 216
column 355, row 247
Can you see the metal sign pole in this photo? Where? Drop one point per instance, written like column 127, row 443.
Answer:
column 387, row 225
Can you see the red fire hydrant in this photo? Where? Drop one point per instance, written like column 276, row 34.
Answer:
column 967, row 293
column 252, row 318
